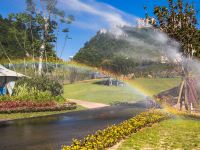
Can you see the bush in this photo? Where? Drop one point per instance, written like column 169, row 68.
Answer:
column 41, row 84
column 25, row 93
column 110, row 136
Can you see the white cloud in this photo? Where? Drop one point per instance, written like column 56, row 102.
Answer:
column 95, row 15
column 86, row 25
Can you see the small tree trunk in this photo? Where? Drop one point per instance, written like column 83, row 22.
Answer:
column 41, row 58
column 43, row 46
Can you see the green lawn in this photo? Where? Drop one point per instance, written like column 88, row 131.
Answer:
column 108, row 94
column 100, row 93
column 155, row 86
column 35, row 114
column 169, row 134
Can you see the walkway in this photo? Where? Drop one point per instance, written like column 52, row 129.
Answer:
column 51, row 132
column 89, row 105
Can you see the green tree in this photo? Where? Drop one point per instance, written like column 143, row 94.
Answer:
column 52, row 16
column 179, row 21
column 34, row 32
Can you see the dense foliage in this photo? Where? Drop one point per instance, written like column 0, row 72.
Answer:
column 179, row 21
column 110, row 136
column 25, row 93
column 41, row 84
column 33, row 32
column 17, row 40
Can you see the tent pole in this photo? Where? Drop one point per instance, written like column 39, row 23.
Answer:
column 180, row 94
column 6, row 84
column 186, row 97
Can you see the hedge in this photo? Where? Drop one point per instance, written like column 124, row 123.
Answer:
column 110, row 136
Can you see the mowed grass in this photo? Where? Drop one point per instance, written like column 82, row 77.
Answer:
column 169, row 134
column 155, row 86
column 35, row 114
column 89, row 91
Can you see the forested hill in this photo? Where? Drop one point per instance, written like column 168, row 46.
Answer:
column 130, row 44
column 138, row 45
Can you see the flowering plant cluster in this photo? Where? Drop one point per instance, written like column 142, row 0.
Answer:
column 15, row 104
column 31, row 106
column 108, row 137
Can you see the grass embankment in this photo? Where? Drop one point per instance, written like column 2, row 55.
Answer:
column 155, row 86
column 89, row 91
column 35, row 114
column 176, row 133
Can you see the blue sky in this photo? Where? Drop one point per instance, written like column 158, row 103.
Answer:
column 90, row 16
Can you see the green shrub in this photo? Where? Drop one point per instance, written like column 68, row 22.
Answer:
column 42, row 84
column 5, row 98
column 110, row 136
column 25, row 93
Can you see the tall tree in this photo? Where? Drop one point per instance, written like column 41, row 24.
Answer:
column 179, row 21
column 49, row 19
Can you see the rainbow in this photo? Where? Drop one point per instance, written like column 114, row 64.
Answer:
column 134, row 86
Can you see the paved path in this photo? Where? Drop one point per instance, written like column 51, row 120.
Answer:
column 1, row 120
column 89, row 105
column 51, row 132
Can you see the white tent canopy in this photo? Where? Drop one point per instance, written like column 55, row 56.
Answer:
column 4, row 72
column 7, row 80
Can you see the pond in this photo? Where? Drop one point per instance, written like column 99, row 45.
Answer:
column 51, row 132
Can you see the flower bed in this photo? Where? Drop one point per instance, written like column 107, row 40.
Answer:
column 30, row 106
column 110, row 136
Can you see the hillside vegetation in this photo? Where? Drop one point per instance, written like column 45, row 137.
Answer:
column 134, row 51
column 106, row 46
